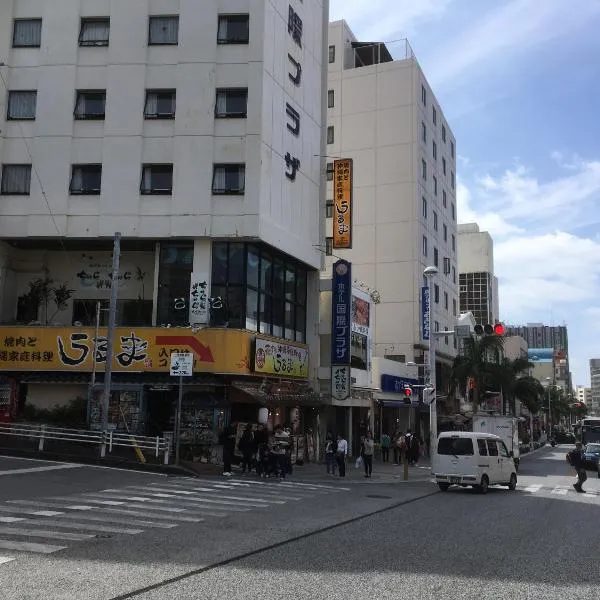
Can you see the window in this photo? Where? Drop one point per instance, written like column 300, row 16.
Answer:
column 436, row 257
column 451, row 148
column 423, row 132
column 446, row 266
column 328, row 246
column 329, row 209
column 231, row 104
column 453, row 243
column 452, row 179
column 424, row 245
column 455, row 446
column 21, row 105
column 445, row 230
column 444, row 199
column 86, row 180
column 330, row 134
column 435, row 221
column 16, row 180
column 229, row 179
column 446, row 300
column 443, row 165
column 331, row 54
column 90, row 105
column 492, row 447
column 453, row 211
column 423, row 95
column 436, row 325
column 330, row 98
column 444, row 134
column 160, row 104
column 163, row 31
column 434, row 185
column 482, row 446
column 329, row 171
column 137, row 313
column 434, row 151
column 453, row 274
column 157, row 180
column 233, row 29
column 94, row 32
column 423, row 169
column 424, row 202
column 454, row 306
column 434, row 115
column 27, row 33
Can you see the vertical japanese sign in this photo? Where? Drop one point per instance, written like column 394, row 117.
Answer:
column 342, row 203
column 199, row 299
column 295, row 26
column 341, row 313
column 425, row 312
column 340, row 382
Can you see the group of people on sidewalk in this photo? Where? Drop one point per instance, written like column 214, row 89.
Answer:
column 405, row 445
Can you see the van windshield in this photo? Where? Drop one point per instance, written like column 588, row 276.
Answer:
column 457, row 446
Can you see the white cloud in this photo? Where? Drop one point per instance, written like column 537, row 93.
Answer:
column 372, row 20
column 510, row 29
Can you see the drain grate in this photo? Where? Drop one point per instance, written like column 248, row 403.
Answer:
column 376, row 496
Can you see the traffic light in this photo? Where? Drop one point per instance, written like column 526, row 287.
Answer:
column 488, row 329
column 407, row 395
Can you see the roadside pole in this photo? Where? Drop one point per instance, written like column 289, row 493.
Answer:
column 182, row 365
column 178, row 420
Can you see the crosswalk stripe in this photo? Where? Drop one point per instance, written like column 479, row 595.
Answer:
column 533, row 488
column 221, row 504
column 30, row 547
column 560, row 491
column 104, row 518
column 110, row 503
column 6, row 559
column 257, row 494
column 11, row 519
column 139, row 513
column 88, row 526
column 43, row 533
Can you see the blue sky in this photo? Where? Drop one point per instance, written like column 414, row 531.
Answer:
column 519, row 82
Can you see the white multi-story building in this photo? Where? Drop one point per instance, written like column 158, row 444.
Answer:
column 195, row 133
column 584, row 394
column 383, row 115
column 478, row 284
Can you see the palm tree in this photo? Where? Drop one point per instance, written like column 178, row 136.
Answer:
column 530, row 392
column 479, row 361
column 508, row 374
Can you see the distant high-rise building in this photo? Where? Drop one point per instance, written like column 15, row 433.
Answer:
column 584, row 394
column 478, row 287
column 594, row 405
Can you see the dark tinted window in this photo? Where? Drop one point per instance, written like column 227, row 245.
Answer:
column 458, row 446
column 492, row 447
column 482, row 447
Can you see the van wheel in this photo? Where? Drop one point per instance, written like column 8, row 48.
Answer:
column 512, row 484
column 482, row 488
column 443, row 486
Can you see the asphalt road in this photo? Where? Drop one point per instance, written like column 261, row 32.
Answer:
column 329, row 540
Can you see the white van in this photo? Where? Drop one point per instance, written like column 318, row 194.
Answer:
column 477, row 459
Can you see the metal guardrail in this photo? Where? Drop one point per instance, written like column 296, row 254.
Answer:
column 105, row 439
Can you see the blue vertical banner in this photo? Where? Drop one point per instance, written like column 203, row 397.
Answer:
column 341, row 312
column 425, row 312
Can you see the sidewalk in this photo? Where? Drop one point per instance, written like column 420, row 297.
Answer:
column 382, row 473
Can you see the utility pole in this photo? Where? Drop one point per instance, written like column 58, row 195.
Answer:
column 110, row 334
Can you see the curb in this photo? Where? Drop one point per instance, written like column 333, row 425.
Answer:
column 533, row 451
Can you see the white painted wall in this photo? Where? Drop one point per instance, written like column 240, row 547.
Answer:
column 475, row 250
column 282, row 213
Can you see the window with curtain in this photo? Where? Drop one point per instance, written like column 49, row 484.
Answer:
column 233, row 29
column 16, row 180
column 229, row 179
column 86, row 179
column 330, row 98
column 329, row 209
column 94, row 32
column 160, row 104
column 157, row 179
column 27, row 33
column 329, row 171
column 163, row 31
column 231, row 103
column 90, row 105
column 330, row 134
column 22, row 105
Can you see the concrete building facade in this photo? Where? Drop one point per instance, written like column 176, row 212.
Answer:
column 594, row 404
column 196, row 134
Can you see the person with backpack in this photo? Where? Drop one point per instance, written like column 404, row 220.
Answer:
column 247, row 446
column 330, row 450
column 385, row 447
column 575, row 459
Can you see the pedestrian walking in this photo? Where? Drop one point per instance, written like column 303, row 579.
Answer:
column 385, row 447
column 228, row 441
column 368, row 448
column 415, row 450
column 398, row 441
column 575, row 459
column 247, row 446
column 408, row 442
column 330, row 450
column 341, row 454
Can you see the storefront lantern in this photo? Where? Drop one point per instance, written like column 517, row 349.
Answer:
column 263, row 415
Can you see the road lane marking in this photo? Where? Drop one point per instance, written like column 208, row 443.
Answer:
column 90, row 526
column 533, row 488
column 30, row 547
column 43, row 533
column 40, row 469
column 6, row 559
column 560, row 491
column 47, row 513
column 11, row 519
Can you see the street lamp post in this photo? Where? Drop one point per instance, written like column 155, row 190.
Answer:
column 549, row 411
column 430, row 273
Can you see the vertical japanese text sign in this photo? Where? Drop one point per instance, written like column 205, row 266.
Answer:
column 295, row 30
column 425, row 312
column 199, row 299
column 341, row 313
column 342, row 202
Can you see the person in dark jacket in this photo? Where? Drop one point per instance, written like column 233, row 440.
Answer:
column 575, row 459
column 228, row 441
column 247, row 446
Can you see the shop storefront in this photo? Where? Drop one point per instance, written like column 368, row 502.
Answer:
column 394, row 411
